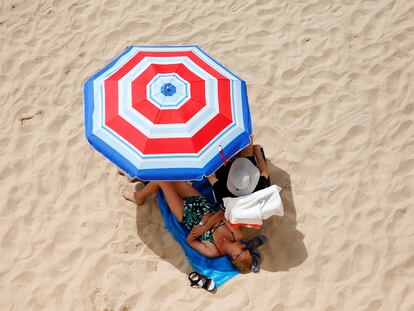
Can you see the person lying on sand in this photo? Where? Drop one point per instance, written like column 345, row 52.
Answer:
column 245, row 173
column 210, row 233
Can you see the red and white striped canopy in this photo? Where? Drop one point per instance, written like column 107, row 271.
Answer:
column 166, row 113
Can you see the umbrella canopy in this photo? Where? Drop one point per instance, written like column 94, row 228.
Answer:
column 166, row 113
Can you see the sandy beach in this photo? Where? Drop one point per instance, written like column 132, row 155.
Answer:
column 330, row 86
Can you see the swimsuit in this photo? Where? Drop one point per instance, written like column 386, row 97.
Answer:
column 195, row 207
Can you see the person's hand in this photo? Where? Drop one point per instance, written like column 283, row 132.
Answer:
column 205, row 219
column 198, row 230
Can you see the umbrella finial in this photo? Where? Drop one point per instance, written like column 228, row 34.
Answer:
column 168, row 89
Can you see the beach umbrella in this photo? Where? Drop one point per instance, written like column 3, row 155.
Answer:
column 166, row 113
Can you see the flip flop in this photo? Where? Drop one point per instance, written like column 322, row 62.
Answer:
column 198, row 280
column 252, row 246
column 256, row 258
column 255, row 242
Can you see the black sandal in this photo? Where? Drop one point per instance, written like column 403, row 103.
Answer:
column 256, row 258
column 200, row 281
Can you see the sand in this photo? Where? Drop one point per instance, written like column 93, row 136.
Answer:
column 330, row 85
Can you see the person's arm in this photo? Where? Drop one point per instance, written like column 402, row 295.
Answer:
column 197, row 231
column 201, row 228
column 206, row 250
column 217, row 217
column 261, row 162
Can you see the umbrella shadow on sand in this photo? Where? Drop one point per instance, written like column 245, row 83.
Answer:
column 284, row 250
column 152, row 231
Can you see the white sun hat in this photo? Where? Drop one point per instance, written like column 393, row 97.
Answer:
column 243, row 177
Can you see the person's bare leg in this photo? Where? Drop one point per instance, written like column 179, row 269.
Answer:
column 174, row 200
column 184, row 189
column 247, row 151
column 261, row 161
column 138, row 196
column 173, row 195
column 173, row 192
column 149, row 189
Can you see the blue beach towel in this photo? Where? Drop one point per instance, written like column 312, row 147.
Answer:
column 219, row 269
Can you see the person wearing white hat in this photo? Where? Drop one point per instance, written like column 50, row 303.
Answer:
column 243, row 177
column 247, row 172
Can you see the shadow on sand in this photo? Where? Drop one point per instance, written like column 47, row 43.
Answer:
column 157, row 237
column 284, row 250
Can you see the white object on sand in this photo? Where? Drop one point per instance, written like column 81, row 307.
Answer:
column 254, row 208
